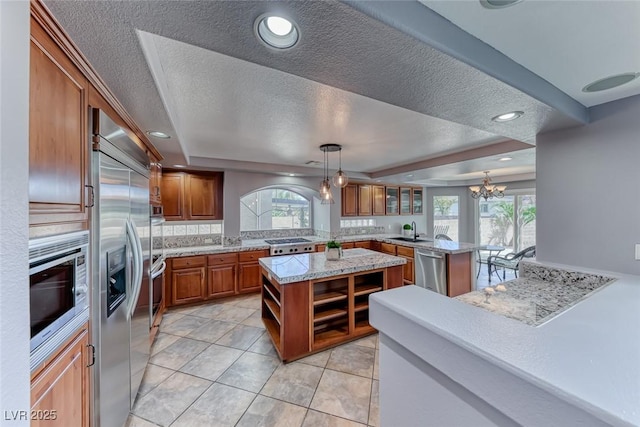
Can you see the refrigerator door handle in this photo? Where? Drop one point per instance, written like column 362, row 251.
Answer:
column 159, row 271
column 136, row 248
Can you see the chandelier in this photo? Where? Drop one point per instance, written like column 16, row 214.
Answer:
column 487, row 190
column 340, row 178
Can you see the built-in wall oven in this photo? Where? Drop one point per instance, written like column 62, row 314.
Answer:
column 58, row 287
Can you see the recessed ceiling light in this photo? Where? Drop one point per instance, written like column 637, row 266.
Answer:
column 409, row 176
column 505, row 159
column 292, row 174
column 179, row 166
column 276, row 31
column 610, row 82
column 158, row 134
column 498, row 4
column 507, row 117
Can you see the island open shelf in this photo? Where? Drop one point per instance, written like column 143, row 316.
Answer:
column 308, row 316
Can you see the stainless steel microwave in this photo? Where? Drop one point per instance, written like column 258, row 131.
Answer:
column 58, row 284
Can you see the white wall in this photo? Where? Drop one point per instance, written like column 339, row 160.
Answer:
column 588, row 190
column 14, row 214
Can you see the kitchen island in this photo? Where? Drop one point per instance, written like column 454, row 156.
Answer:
column 310, row 303
column 570, row 365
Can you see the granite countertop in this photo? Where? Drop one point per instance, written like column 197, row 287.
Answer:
column 301, row 267
column 532, row 301
column 443, row 246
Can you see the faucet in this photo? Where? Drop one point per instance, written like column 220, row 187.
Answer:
column 415, row 231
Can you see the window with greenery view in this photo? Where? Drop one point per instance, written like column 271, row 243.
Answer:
column 446, row 216
column 273, row 209
column 509, row 222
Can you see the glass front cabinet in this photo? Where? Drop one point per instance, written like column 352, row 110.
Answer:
column 417, row 201
column 392, row 200
column 405, row 201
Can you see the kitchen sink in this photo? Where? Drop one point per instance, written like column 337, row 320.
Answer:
column 411, row 239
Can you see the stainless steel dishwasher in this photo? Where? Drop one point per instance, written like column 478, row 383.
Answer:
column 431, row 270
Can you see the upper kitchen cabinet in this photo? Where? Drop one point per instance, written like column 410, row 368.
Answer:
column 364, row 200
column 350, row 200
column 416, row 204
column 191, row 196
column 379, row 199
column 58, row 139
column 392, row 200
column 155, row 178
column 405, row 201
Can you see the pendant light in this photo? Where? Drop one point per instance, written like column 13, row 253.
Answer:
column 340, row 179
column 325, row 186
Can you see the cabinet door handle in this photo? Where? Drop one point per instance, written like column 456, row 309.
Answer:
column 92, row 196
column 93, row 355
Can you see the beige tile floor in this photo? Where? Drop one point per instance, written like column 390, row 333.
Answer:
column 214, row 365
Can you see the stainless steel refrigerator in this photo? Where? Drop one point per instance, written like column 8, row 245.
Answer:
column 120, row 301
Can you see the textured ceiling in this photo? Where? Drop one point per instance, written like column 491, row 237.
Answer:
column 247, row 112
column 352, row 80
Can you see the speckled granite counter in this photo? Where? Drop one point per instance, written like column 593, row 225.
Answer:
column 301, row 267
column 538, row 295
column 443, row 246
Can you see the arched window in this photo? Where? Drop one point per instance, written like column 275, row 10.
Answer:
column 273, row 209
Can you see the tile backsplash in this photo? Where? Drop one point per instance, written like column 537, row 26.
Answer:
column 191, row 234
column 266, row 234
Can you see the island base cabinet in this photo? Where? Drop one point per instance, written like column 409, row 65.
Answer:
column 458, row 274
column 307, row 317
column 60, row 390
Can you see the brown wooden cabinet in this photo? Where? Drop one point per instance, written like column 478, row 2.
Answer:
column 416, row 205
column 365, row 200
column 406, row 199
column 379, row 200
column 366, row 244
column 188, row 280
column 191, row 196
column 172, row 190
column 201, row 197
column 310, row 316
column 408, row 275
column 58, row 139
column 249, row 279
column 387, row 248
column 200, row 278
column 392, row 200
column 61, row 387
column 155, row 178
column 222, row 275
column 350, row 200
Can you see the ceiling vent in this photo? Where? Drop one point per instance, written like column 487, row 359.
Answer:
column 313, row 163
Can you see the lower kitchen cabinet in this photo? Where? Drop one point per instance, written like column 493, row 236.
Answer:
column 187, row 279
column 250, row 277
column 60, row 389
column 188, row 285
column 200, row 278
column 408, row 269
column 222, row 272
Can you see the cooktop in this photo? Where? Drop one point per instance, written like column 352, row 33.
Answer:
column 287, row 241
